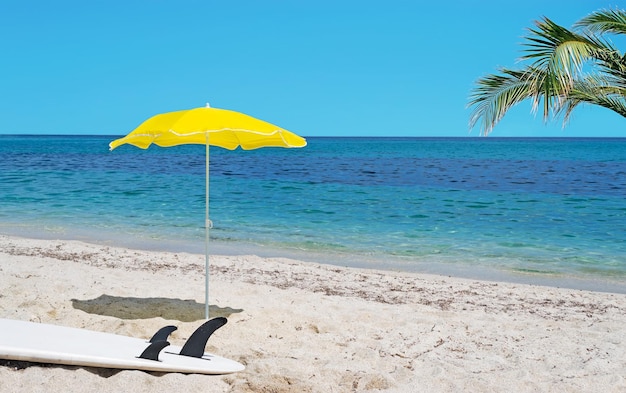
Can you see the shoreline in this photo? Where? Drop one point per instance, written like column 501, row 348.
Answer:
column 301, row 326
column 427, row 265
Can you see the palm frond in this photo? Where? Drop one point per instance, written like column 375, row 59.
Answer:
column 611, row 62
column 567, row 68
column 594, row 90
column 559, row 51
column 604, row 21
column 495, row 95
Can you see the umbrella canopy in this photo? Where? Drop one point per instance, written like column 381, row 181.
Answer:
column 211, row 127
column 220, row 127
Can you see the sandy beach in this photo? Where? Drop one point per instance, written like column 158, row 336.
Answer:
column 305, row 327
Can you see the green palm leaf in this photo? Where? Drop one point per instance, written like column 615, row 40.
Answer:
column 604, row 21
column 567, row 68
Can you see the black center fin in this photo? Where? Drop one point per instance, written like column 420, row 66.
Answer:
column 195, row 345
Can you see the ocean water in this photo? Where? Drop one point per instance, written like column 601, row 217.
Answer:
column 537, row 210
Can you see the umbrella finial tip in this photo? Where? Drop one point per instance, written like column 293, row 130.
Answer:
column 207, row 105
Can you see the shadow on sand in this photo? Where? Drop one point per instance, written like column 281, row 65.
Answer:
column 145, row 308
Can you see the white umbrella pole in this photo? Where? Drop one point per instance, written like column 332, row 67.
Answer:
column 207, row 227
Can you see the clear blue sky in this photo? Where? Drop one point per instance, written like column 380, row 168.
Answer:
column 317, row 68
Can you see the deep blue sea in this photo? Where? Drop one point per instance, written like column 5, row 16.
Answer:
column 541, row 210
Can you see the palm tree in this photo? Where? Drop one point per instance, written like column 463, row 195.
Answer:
column 567, row 68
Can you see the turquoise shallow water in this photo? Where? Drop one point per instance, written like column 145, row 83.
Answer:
column 532, row 210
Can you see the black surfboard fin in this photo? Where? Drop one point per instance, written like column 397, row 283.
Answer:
column 153, row 350
column 163, row 333
column 195, row 345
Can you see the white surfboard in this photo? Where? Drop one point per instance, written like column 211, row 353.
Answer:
column 38, row 342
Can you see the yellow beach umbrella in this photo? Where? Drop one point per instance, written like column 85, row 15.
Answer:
column 211, row 127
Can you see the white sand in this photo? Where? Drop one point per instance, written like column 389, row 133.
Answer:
column 303, row 327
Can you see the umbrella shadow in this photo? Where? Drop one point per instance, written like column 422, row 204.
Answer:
column 145, row 308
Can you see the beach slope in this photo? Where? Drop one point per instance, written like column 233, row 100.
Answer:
column 305, row 327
